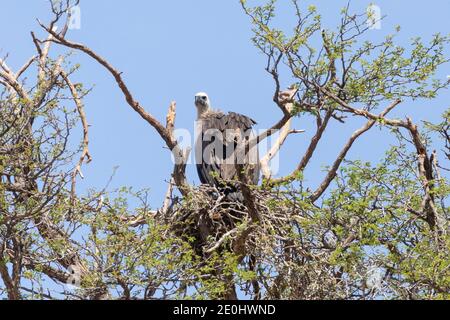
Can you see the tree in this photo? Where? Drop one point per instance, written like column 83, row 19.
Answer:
column 367, row 231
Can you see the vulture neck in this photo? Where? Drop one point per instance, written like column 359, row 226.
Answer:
column 203, row 113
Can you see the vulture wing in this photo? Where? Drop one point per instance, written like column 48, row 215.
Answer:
column 220, row 148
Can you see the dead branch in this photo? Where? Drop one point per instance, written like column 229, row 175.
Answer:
column 282, row 100
column 171, row 115
column 85, row 155
column 284, row 133
column 25, row 66
column 321, row 126
column 168, row 198
column 10, row 79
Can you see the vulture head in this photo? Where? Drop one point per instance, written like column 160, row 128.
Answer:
column 202, row 103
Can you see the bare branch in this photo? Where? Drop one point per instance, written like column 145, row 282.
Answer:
column 11, row 81
column 332, row 172
column 85, row 155
column 171, row 115
column 309, row 152
column 284, row 133
column 25, row 66
column 168, row 198
column 283, row 99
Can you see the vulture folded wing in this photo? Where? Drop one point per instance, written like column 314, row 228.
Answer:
column 223, row 138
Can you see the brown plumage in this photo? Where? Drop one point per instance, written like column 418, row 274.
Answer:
column 220, row 146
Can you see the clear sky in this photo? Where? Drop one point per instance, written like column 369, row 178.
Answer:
column 170, row 50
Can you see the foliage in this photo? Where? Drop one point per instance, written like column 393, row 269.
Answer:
column 369, row 231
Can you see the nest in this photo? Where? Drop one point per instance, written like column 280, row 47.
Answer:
column 212, row 220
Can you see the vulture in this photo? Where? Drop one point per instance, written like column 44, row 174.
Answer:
column 224, row 144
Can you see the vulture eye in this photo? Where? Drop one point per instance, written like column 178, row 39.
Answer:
column 204, row 98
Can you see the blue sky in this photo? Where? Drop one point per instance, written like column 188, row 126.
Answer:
column 169, row 50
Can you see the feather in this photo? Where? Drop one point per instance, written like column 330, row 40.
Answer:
column 218, row 148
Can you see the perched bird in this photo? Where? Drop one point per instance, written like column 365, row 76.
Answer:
column 225, row 143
